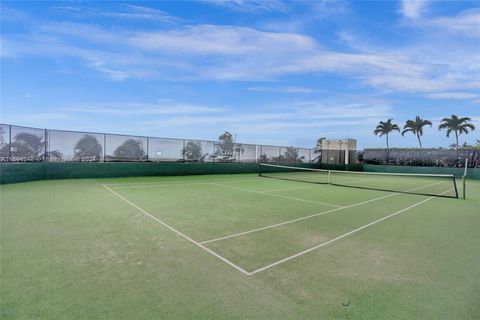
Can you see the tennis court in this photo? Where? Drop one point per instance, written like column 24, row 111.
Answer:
column 348, row 246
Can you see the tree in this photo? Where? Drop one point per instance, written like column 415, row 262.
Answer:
column 88, row 146
column 318, row 150
column 227, row 150
column 291, row 155
column 226, row 137
column 456, row 125
column 4, row 147
column 130, row 149
column 416, row 127
column 2, row 138
column 193, row 151
column 35, row 144
column 384, row 128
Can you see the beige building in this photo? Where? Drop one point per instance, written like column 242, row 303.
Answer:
column 339, row 151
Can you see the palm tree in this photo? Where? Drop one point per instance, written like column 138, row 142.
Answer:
column 416, row 127
column 457, row 125
column 385, row 128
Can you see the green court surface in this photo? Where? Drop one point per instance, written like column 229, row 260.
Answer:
column 237, row 247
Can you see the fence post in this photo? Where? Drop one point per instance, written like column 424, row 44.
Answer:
column 183, row 151
column 148, row 139
column 104, row 147
column 9, row 143
column 46, row 141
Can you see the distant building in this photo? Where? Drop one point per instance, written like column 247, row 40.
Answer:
column 339, row 151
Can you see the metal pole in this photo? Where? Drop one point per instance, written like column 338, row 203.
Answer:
column 9, row 143
column 464, row 180
column 148, row 139
column 183, row 153
column 104, row 147
column 45, row 153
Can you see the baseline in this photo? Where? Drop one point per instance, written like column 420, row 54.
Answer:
column 179, row 233
column 165, row 184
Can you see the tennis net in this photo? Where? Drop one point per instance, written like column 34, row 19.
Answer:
column 443, row 185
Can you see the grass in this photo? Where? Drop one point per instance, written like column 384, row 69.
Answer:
column 72, row 249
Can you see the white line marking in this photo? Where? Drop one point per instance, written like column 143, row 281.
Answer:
column 287, row 189
column 178, row 232
column 343, row 235
column 275, row 195
column 128, row 185
column 315, row 215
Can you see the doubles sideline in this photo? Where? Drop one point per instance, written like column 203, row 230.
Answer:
column 312, row 215
column 343, row 235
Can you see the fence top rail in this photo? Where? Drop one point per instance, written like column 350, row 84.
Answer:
column 142, row 136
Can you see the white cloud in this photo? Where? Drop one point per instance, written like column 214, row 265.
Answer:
column 250, row 5
column 413, row 8
column 466, row 23
column 135, row 108
column 224, row 52
column 221, row 40
column 283, row 89
column 126, row 12
column 454, row 95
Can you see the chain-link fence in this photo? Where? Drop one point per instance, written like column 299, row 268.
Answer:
column 23, row 144
column 423, row 157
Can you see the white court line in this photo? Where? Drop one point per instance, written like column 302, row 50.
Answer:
column 314, row 215
column 288, row 189
column 275, row 195
column 342, row 236
column 178, row 232
column 128, row 185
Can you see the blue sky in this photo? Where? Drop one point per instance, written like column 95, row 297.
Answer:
column 272, row 72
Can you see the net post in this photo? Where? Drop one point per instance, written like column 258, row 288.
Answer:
column 329, row 177
column 464, row 180
column 455, row 185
